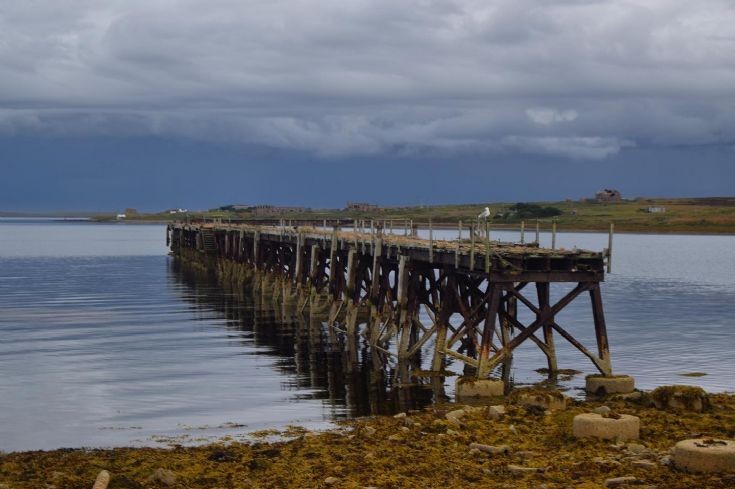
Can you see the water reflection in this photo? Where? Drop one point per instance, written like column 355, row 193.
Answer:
column 311, row 357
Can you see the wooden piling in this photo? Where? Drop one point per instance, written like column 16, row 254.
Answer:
column 472, row 247
column 523, row 232
column 538, row 229
column 487, row 247
column 610, row 247
column 299, row 270
column 431, row 242
column 459, row 242
column 553, row 234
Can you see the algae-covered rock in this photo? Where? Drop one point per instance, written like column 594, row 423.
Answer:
column 680, row 397
column 541, row 399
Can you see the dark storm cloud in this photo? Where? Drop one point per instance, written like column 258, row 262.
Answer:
column 577, row 79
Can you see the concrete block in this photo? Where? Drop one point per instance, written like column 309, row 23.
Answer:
column 618, row 384
column 467, row 387
column 593, row 425
column 705, row 455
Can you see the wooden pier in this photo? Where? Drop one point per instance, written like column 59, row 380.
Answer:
column 404, row 297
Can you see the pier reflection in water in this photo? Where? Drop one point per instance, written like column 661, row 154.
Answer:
column 313, row 358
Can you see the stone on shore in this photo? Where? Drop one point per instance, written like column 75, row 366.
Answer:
column 492, row 450
column 519, row 470
column 102, row 481
column 680, row 397
column 164, row 476
column 620, row 482
column 495, row 412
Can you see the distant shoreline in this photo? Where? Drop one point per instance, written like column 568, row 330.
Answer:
column 530, row 227
column 680, row 216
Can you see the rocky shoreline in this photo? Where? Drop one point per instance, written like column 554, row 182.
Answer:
column 506, row 443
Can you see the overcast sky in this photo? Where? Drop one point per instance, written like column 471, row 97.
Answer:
column 159, row 103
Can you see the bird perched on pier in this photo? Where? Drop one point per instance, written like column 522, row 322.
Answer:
column 484, row 214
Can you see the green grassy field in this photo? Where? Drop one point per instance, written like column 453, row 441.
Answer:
column 696, row 215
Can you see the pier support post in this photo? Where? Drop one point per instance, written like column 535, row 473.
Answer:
column 375, row 309
column 603, row 347
column 494, row 296
column 543, row 293
column 437, row 362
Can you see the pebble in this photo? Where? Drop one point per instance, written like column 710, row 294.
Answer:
column 517, row 469
column 330, row 481
column 452, row 432
column 395, row 438
column 400, row 415
column 454, row 417
column 619, row 482
column 602, row 410
column 495, row 412
column 644, row 464
column 102, row 481
column 666, row 460
column 502, row 449
column 165, row 477
column 636, row 448
column 369, row 430
column 512, row 429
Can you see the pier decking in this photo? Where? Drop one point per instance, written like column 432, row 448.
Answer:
column 403, row 296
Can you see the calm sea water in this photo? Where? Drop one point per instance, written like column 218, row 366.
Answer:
column 104, row 341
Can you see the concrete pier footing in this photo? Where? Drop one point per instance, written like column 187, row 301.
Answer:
column 471, row 387
column 592, row 425
column 705, row 455
column 618, row 384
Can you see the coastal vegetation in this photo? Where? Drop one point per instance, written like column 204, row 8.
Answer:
column 656, row 215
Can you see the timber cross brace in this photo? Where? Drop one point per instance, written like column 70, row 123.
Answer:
column 404, row 297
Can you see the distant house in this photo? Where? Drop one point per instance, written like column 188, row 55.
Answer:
column 608, row 195
column 130, row 211
column 655, row 210
column 178, row 211
column 120, row 217
column 361, row 207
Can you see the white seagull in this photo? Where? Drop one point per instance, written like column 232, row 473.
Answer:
column 484, row 214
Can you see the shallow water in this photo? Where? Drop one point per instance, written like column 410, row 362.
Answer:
column 106, row 342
